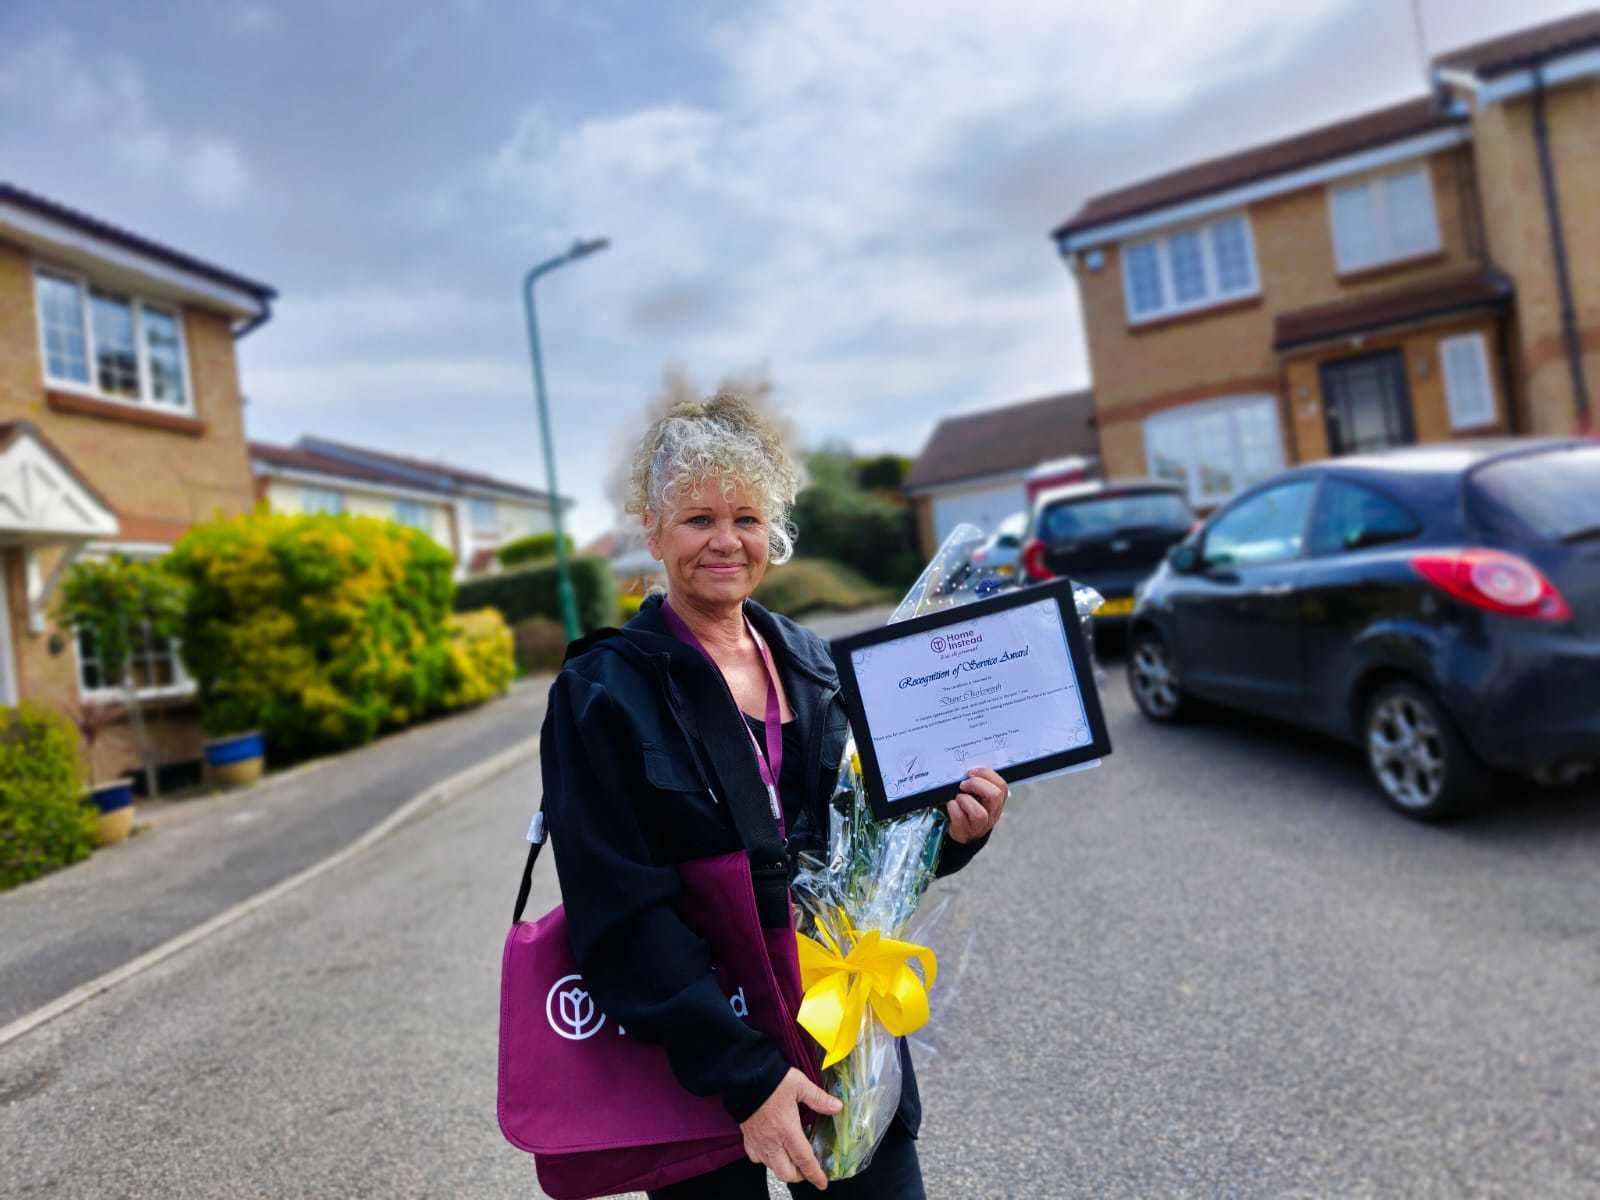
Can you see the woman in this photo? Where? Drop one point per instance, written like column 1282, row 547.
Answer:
column 696, row 698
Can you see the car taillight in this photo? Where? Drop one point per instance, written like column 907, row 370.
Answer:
column 1494, row 581
column 1033, row 560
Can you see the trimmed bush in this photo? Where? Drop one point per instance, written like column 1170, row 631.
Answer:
column 479, row 661
column 872, row 535
column 541, row 644
column 530, row 591
column 532, row 548
column 805, row 585
column 44, row 822
column 321, row 630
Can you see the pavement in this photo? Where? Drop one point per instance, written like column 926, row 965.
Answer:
column 197, row 857
column 1216, row 966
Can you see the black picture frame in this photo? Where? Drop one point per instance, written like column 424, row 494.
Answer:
column 1060, row 591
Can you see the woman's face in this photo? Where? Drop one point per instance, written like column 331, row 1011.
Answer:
column 714, row 545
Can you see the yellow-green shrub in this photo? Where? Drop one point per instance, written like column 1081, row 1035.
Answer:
column 480, row 662
column 321, row 629
column 44, row 822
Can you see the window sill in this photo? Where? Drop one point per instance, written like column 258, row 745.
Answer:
column 1194, row 314
column 1392, row 266
column 90, row 406
column 160, row 699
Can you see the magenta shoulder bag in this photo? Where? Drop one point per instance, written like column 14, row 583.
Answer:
column 601, row 1111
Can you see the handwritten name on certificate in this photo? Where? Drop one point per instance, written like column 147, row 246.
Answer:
column 997, row 690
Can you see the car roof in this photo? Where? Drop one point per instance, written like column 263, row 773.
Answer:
column 1439, row 458
column 1105, row 487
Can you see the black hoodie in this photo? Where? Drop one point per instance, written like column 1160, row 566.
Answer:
column 640, row 739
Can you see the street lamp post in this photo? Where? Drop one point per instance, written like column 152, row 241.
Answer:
column 569, row 599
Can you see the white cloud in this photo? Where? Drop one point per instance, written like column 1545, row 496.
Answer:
column 104, row 102
column 834, row 201
column 254, row 18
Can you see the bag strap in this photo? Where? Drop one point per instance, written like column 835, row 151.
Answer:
column 536, row 838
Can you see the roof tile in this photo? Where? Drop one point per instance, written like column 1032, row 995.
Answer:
column 1012, row 438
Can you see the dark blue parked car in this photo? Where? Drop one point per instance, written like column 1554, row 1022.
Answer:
column 1437, row 605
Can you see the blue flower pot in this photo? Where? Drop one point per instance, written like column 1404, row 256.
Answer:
column 237, row 758
column 114, row 801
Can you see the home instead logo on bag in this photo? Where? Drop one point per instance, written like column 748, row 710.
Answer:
column 573, row 1015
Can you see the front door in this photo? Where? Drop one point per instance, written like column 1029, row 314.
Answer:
column 1367, row 403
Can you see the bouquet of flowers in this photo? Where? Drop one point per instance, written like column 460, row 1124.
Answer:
column 865, row 987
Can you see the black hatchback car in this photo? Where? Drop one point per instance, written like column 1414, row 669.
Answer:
column 1437, row 605
column 1109, row 534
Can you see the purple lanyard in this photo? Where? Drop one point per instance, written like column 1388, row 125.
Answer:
column 771, row 764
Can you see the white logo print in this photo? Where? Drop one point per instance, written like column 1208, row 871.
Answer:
column 578, row 1018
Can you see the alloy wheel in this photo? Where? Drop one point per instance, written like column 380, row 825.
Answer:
column 1407, row 752
column 1155, row 680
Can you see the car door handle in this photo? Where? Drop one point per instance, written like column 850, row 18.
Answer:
column 1275, row 589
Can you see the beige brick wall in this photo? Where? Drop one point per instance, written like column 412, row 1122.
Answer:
column 1142, row 369
column 1518, row 236
column 158, row 481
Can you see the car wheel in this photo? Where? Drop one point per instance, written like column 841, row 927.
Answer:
column 1425, row 768
column 1153, row 678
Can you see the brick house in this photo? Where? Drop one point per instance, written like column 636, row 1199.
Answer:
column 1426, row 271
column 467, row 512
column 120, row 426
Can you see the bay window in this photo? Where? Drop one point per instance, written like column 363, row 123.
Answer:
column 1215, row 449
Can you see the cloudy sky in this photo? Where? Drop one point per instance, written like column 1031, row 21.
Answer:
column 855, row 196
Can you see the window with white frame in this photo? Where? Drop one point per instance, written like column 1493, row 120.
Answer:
column 154, row 668
column 411, row 512
column 1384, row 219
column 110, row 344
column 1468, row 387
column 321, row 500
column 1189, row 269
column 1217, row 448
column 485, row 515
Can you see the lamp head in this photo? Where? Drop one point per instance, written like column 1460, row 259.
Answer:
column 591, row 246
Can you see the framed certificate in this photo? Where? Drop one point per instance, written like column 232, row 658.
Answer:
column 1004, row 683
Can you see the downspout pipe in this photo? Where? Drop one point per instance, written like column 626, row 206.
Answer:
column 1558, row 248
column 255, row 322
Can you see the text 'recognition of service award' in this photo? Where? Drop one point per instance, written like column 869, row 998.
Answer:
column 1007, row 688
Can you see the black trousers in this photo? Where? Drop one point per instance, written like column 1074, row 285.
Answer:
column 893, row 1174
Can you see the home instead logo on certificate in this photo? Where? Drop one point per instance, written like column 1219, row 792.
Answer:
column 996, row 690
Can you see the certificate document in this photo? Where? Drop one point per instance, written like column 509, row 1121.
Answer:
column 1001, row 683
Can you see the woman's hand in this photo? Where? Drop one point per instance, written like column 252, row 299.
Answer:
column 976, row 808
column 774, row 1137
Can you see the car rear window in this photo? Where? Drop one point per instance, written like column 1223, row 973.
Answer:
column 1107, row 514
column 1555, row 493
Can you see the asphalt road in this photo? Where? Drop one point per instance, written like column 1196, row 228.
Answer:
column 1216, row 966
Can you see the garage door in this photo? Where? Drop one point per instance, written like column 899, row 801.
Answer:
column 985, row 509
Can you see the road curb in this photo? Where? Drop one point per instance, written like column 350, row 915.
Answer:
column 440, row 793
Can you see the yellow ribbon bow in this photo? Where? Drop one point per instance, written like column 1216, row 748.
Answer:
column 876, row 972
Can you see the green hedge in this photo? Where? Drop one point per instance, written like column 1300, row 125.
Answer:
column 44, row 822
column 530, row 591
column 532, row 548
column 872, row 535
column 806, row 585
column 321, row 630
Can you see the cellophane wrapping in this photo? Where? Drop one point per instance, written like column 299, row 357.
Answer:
column 875, row 876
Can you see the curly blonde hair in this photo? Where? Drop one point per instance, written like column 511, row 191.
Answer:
column 727, row 438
